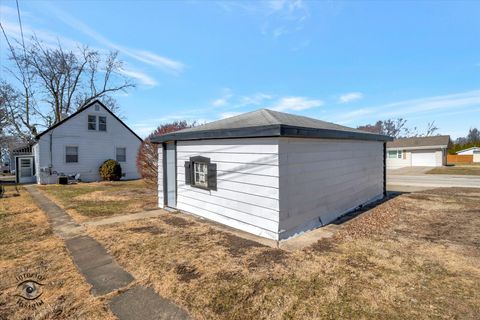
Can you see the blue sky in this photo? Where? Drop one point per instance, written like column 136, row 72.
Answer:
column 346, row 62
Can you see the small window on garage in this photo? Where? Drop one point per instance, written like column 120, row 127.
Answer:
column 121, row 154
column 201, row 173
column 102, row 123
column 71, row 154
column 92, row 122
column 399, row 154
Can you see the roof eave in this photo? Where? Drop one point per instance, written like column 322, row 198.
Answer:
column 418, row 147
column 269, row 131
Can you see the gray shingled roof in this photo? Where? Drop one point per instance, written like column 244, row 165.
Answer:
column 269, row 123
column 438, row 141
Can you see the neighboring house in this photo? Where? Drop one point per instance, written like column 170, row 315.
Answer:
column 270, row 173
column 417, row 152
column 475, row 151
column 79, row 144
column 22, row 160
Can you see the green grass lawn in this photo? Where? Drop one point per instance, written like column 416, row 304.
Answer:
column 101, row 199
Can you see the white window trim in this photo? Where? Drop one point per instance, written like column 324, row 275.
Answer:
column 106, row 123
column 88, row 122
column 116, row 158
column 398, row 154
column 65, row 154
column 196, row 183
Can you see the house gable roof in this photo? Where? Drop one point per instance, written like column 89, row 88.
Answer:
column 415, row 142
column 83, row 109
column 269, row 123
column 468, row 149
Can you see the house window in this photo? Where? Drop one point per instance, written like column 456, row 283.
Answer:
column 92, row 123
column 71, row 154
column 395, row 154
column 102, row 123
column 200, row 174
column 121, row 154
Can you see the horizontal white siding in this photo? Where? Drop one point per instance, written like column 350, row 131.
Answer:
column 247, row 195
column 322, row 179
column 94, row 147
column 476, row 157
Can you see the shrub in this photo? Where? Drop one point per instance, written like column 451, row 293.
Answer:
column 110, row 170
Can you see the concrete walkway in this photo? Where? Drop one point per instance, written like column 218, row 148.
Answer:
column 102, row 271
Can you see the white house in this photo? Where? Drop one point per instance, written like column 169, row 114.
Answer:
column 79, row 144
column 418, row 152
column 469, row 151
column 270, row 173
column 475, row 151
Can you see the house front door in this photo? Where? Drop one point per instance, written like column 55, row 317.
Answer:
column 25, row 170
column 171, row 170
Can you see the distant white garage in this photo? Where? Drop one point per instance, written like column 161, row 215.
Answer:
column 424, row 158
column 417, row 152
column 270, row 173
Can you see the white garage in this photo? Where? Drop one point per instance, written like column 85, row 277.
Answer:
column 269, row 173
column 417, row 152
column 424, row 159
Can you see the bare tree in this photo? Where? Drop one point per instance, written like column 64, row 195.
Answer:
column 397, row 128
column 431, row 129
column 394, row 128
column 147, row 158
column 52, row 83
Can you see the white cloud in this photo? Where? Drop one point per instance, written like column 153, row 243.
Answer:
column 53, row 40
column 428, row 105
column 140, row 76
column 350, row 97
column 144, row 56
column 279, row 17
column 224, row 99
column 296, row 104
column 229, row 114
column 255, row 99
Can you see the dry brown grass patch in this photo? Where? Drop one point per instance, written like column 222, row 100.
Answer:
column 28, row 246
column 401, row 259
column 97, row 200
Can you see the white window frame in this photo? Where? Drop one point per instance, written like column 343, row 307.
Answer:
column 78, row 154
column 89, row 122
column 200, row 174
column 394, row 154
column 100, row 123
column 116, row 154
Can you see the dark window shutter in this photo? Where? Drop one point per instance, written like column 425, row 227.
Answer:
column 188, row 173
column 212, row 176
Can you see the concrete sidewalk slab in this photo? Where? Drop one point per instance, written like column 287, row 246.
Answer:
column 144, row 303
column 107, row 278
